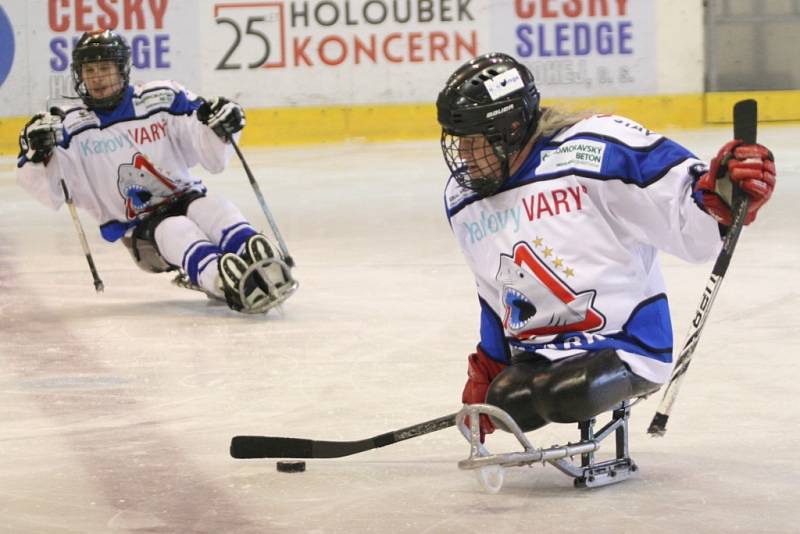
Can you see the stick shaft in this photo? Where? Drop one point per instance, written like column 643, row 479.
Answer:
column 98, row 283
column 744, row 128
column 260, row 196
column 701, row 314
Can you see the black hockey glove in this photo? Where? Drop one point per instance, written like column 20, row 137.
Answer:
column 222, row 116
column 40, row 135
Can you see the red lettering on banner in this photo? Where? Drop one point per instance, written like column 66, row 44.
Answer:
column 133, row 8
column 342, row 50
column 58, row 22
column 80, row 11
column 470, row 48
column 110, row 20
column 360, row 47
column 300, row 51
column 603, row 8
column 395, row 47
column 158, row 9
column 524, row 10
column 391, row 37
column 439, row 44
column 572, row 8
column 414, row 47
column 545, row 9
column 89, row 15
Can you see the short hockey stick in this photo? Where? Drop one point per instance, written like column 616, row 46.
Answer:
column 98, row 283
column 244, row 447
column 263, row 203
column 745, row 116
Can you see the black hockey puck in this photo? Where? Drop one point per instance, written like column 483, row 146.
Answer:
column 297, row 466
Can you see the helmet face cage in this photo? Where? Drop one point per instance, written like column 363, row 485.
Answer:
column 98, row 46
column 474, row 162
column 482, row 133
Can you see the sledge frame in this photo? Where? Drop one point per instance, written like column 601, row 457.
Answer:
column 589, row 473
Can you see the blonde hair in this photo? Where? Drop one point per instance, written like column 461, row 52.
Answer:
column 553, row 120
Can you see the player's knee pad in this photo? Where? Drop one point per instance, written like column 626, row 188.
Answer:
column 143, row 249
column 142, row 243
column 146, row 256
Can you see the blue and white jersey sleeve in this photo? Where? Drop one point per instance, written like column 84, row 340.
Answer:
column 647, row 186
column 195, row 141
column 43, row 182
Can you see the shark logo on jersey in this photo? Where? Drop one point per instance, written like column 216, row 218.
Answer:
column 538, row 303
column 143, row 186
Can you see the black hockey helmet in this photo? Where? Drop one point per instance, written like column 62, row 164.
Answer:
column 493, row 100
column 101, row 45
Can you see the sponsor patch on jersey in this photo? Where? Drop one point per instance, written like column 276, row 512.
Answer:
column 504, row 84
column 152, row 100
column 78, row 119
column 576, row 154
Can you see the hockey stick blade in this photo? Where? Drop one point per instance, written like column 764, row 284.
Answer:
column 250, row 447
column 745, row 125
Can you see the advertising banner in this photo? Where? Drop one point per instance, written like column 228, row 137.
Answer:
column 162, row 35
column 581, row 47
column 307, row 53
column 298, row 52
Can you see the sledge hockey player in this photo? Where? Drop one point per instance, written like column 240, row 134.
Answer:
column 560, row 217
column 125, row 156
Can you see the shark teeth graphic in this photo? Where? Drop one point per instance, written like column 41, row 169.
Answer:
column 522, row 309
column 139, row 195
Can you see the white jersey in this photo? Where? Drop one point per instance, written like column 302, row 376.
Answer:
column 122, row 164
column 565, row 254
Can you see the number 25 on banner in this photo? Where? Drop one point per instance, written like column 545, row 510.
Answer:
column 258, row 27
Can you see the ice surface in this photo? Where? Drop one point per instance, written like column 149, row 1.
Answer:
column 117, row 409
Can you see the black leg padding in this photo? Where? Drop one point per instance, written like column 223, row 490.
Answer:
column 513, row 391
column 565, row 391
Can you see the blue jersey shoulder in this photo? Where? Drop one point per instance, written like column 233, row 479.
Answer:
column 139, row 102
column 603, row 147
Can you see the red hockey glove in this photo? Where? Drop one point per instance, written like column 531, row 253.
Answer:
column 481, row 371
column 751, row 167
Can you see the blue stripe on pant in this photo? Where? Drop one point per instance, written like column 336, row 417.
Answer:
column 197, row 257
column 234, row 237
